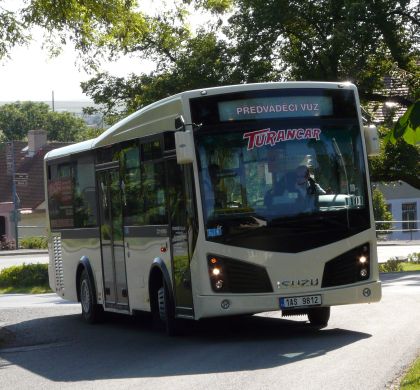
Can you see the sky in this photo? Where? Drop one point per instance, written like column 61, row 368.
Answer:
column 30, row 74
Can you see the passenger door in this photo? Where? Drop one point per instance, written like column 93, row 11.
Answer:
column 182, row 234
column 112, row 237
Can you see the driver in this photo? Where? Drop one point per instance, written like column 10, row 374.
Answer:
column 307, row 189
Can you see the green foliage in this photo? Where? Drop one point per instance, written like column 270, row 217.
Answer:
column 12, row 32
column 203, row 62
column 411, row 380
column 215, row 6
column 324, row 40
column 16, row 119
column 414, row 258
column 399, row 161
column 380, row 211
column 392, row 265
column 241, row 41
column 64, row 126
column 24, row 276
column 407, row 127
column 33, row 243
column 93, row 26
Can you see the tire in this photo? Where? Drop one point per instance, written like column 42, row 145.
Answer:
column 166, row 311
column 91, row 311
column 319, row 316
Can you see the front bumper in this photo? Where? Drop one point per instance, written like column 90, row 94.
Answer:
column 215, row 305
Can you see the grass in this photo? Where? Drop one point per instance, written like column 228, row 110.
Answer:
column 411, row 380
column 25, row 279
column 393, row 265
column 26, row 290
column 410, row 267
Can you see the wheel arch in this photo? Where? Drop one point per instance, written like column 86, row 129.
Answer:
column 158, row 274
column 84, row 264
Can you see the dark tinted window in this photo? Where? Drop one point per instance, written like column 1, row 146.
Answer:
column 131, row 185
column 151, row 150
column 60, row 196
column 72, row 195
column 84, row 193
column 152, row 194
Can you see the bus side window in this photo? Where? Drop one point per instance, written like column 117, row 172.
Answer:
column 152, row 194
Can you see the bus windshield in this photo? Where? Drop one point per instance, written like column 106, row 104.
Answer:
column 280, row 181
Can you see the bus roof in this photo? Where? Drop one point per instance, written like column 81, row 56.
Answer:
column 160, row 116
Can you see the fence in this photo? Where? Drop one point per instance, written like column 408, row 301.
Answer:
column 400, row 230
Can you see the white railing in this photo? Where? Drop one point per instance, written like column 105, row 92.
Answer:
column 397, row 226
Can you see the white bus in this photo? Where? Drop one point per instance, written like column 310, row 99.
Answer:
column 218, row 202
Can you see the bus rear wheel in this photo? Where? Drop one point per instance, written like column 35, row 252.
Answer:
column 91, row 311
column 319, row 316
column 166, row 311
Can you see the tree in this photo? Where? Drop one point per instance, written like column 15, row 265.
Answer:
column 204, row 62
column 397, row 161
column 16, row 119
column 327, row 40
column 91, row 25
column 243, row 41
column 64, row 127
column 407, row 127
column 381, row 212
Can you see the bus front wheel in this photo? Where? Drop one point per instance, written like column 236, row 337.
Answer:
column 91, row 311
column 166, row 310
column 319, row 316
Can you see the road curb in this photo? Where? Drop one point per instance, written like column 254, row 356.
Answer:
column 24, row 252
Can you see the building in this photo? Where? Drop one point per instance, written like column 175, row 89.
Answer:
column 27, row 159
column 403, row 202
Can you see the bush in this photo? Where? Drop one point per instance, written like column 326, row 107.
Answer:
column 392, row 265
column 33, row 243
column 24, row 276
column 414, row 258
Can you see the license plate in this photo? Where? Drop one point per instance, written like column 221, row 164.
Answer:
column 305, row 301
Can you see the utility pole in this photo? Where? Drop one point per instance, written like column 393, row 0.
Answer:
column 15, row 196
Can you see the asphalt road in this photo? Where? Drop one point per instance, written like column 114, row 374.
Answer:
column 47, row 345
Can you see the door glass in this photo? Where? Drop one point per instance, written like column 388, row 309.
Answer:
column 179, row 235
column 106, row 236
column 118, row 238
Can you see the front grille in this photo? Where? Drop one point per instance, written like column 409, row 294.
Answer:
column 240, row 277
column 346, row 268
column 247, row 278
column 58, row 263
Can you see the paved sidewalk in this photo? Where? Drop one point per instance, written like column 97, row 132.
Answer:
column 399, row 242
column 23, row 252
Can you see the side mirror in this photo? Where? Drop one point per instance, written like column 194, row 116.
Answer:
column 371, row 140
column 184, row 145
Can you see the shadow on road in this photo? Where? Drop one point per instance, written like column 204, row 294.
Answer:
column 403, row 278
column 71, row 350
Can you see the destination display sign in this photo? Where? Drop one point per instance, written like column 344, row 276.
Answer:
column 275, row 107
